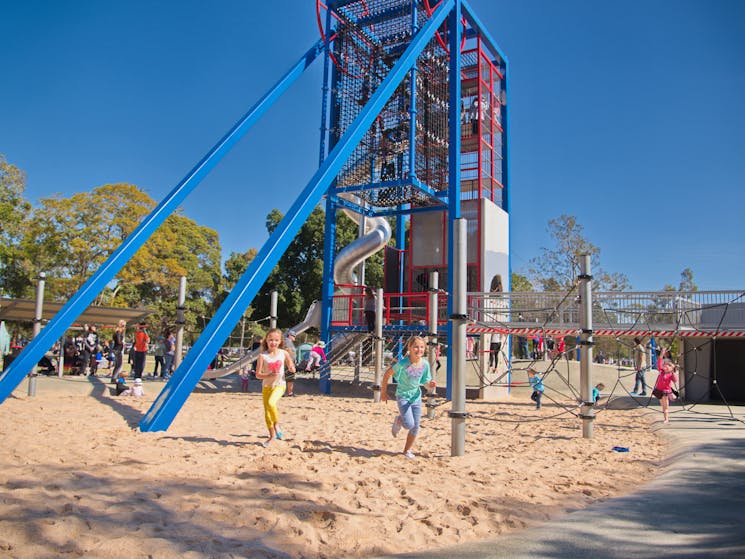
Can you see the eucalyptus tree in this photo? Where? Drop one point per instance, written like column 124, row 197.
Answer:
column 557, row 267
column 70, row 237
column 16, row 271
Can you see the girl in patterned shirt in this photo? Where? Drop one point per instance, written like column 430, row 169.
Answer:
column 410, row 373
column 270, row 368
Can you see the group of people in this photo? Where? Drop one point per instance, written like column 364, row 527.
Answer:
column 315, row 358
column 164, row 351
column 276, row 365
column 664, row 387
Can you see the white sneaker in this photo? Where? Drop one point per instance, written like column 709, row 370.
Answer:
column 396, row 427
column 409, row 454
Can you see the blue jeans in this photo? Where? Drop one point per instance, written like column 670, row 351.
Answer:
column 639, row 381
column 167, row 364
column 536, row 397
column 411, row 414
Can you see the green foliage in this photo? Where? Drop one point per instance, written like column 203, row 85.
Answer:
column 687, row 284
column 520, row 283
column 16, row 270
column 235, row 265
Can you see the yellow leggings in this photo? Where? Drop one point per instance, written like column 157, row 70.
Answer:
column 270, row 396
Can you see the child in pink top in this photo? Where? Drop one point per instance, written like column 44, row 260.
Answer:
column 273, row 361
column 665, row 380
column 316, row 356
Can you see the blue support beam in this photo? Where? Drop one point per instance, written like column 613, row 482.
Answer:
column 108, row 270
column 454, row 202
column 327, row 289
column 168, row 403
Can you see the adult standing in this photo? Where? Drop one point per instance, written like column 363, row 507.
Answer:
column 640, row 366
column 522, row 347
column 169, row 355
column 495, row 342
column 142, row 339
column 370, row 304
column 159, row 351
column 495, row 346
column 90, row 348
column 117, row 346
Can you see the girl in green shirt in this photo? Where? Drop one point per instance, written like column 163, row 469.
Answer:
column 410, row 373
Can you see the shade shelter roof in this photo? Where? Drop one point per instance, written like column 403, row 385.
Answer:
column 24, row 310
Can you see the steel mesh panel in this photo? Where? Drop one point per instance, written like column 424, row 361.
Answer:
column 371, row 37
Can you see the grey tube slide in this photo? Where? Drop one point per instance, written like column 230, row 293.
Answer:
column 376, row 235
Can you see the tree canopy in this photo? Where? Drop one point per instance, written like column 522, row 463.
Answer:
column 557, row 267
column 70, row 237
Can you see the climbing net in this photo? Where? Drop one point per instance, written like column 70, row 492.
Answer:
column 698, row 329
column 368, row 39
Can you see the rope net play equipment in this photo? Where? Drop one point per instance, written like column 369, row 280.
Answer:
column 699, row 328
column 369, row 37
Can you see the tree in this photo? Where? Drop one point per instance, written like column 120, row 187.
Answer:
column 686, row 281
column 520, row 283
column 16, row 272
column 235, row 265
column 557, row 268
column 70, row 238
column 181, row 247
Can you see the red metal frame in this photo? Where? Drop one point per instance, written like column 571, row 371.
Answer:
column 350, row 300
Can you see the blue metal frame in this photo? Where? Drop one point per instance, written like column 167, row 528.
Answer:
column 185, row 378
column 454, row 201
column 360, row 126
column 56, row 328
column 177, row 390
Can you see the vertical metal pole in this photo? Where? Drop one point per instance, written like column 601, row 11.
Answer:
column 454, row 156
column 37, row 328
column 359, row 361
column 587, row 412
column 378, row 344
column 361, row 268
column 273, row 310
column 180, row 321
column 61, row 360
column 458, row 321
column 434, row 287
column 325, row 94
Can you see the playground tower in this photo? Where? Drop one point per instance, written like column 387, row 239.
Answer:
column 401, row 167
column 394, row 151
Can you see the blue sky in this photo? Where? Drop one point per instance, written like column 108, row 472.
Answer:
column 628, row 115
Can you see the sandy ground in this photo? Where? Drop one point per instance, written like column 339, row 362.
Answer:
column 81, row 481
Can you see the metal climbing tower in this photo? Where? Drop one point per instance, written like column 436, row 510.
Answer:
column 391, row 149
column 436, row 152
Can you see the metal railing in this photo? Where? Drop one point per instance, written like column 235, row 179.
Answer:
column 706, row 311
column 623, row 311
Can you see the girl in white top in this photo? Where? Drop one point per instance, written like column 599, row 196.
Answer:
column 270, row 368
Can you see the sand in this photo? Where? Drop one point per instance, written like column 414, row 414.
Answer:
column 81, row 481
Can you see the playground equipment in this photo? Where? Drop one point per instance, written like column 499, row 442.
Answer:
column 394, row 133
